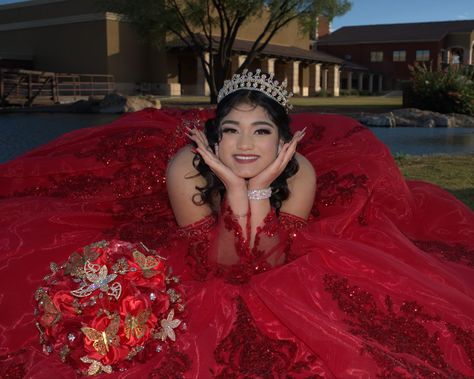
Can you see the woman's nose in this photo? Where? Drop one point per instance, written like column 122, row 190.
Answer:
column 245, row 141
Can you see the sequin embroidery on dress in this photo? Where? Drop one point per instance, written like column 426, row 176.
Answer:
column 246, row 352
column 456, row 253
column 394, row 332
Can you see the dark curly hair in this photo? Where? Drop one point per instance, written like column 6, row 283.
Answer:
column 277, row 114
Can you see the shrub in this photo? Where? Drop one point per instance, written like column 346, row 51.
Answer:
column 447, row 91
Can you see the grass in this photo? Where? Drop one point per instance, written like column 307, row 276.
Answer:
column 348, row 101
column 455, row 173
column 303, row 103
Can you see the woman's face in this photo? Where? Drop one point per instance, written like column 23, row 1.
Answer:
column 249, row 140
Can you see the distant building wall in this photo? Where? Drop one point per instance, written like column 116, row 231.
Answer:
column 76, row 36
column 76, row 47
column 393, row 71
column 290, row 35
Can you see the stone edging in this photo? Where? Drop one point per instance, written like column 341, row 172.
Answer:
column 417, row 118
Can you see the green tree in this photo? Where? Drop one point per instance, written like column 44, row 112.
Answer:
column 197, row 23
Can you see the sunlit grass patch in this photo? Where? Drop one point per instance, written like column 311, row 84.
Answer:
column 455, row 173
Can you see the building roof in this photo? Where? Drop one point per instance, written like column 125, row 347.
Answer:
column 383, row 33
column 281, row 51
column 284, row 52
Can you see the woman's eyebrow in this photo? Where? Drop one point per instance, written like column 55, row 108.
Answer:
column 258, row 123
column 230, row 122
column 255, row 123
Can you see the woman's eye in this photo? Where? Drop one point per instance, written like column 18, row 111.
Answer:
column 263, row 131
column 229, row 130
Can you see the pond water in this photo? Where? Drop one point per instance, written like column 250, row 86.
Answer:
column 20, row 133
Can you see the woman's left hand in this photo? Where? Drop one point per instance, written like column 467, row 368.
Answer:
column 272, row 171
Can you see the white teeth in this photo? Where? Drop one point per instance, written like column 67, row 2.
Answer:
column 245, row 157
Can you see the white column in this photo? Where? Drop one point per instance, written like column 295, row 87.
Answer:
column 360, row 82
column 268, row 65
column 349, row 81
column 293, row 77
column 304, row 80
column 380, row 83
column 371, row 83
column 201, row 82
column 324, row 80
column 317, row 78
column 334, row 80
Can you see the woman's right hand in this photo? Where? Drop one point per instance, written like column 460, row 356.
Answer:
column 231, row 181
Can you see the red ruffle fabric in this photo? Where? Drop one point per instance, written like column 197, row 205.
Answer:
column 379, row 284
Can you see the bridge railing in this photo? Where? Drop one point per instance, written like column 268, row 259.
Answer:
column 26, row 87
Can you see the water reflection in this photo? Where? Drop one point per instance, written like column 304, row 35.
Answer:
column 20, row 133
column 427, row 140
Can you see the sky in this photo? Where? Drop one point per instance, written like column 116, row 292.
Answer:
column 365, row 12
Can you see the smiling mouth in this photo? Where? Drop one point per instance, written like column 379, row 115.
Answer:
column 246, row 158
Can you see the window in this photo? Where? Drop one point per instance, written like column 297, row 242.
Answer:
column 422, row 55
column 376, row 56
column 399, row 56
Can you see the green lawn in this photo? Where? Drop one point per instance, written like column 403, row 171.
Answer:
column 362, row 102
column 348, row 101
column 455, row 173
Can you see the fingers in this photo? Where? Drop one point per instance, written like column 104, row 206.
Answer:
column 289, row 148
column 198, row 137
column 203, row 148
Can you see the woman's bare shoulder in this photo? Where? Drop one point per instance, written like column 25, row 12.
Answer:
column 302, row 188
column 305, row 175
column 182, row 178
column 184, row 157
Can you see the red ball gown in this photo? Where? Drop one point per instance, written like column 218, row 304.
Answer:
column 379, row 283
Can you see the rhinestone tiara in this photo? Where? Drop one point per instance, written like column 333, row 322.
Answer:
column 258, row 82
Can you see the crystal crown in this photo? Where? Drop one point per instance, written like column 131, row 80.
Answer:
column 257, row 82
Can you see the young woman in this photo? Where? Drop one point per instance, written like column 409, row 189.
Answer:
column 246, row 161
column 369, row 276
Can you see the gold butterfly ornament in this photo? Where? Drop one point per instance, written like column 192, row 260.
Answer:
column 102, row 340
column 99, row 279
column 51, row 315
column 146, row 263
column 96, row 367
column 136, row 325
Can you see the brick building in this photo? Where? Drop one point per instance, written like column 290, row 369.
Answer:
column 388, row 50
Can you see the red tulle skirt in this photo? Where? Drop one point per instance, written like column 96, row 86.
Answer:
column 382, row 285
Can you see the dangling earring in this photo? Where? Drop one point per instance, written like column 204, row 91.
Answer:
column 216, row 149
column 279, row 149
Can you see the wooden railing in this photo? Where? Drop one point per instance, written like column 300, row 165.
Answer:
column 26, row 87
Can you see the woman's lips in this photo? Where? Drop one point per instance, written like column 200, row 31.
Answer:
column 245, row 158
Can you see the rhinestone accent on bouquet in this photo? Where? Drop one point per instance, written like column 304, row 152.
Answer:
column 258, row 82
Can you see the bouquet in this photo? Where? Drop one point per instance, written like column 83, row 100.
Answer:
column 111, row 305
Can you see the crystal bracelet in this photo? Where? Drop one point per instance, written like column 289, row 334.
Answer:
column 259, row 194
